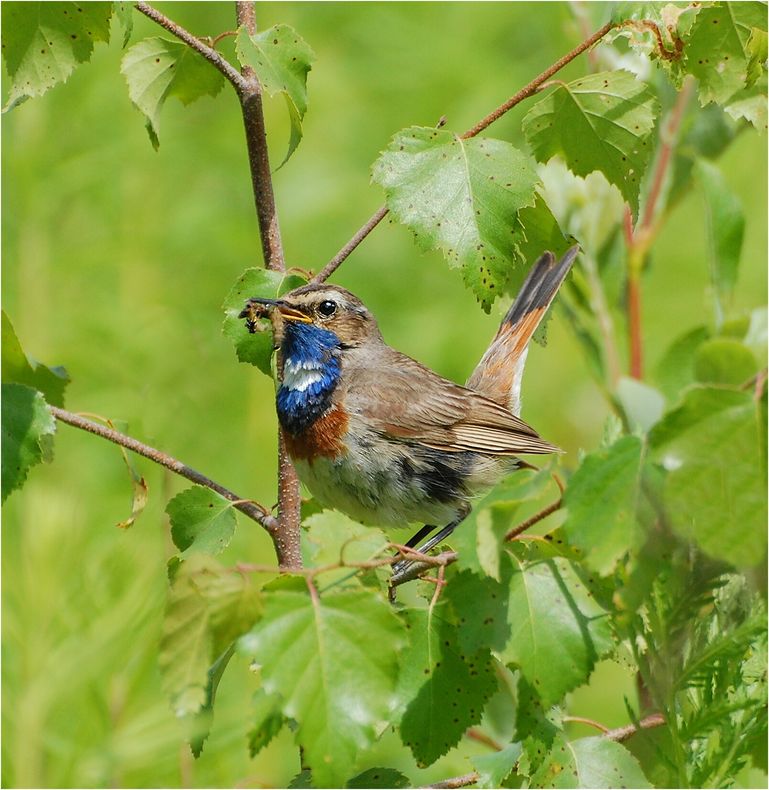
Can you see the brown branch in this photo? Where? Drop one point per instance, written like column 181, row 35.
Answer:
column 522, row 94
column 621, row 734
column 639, row 240
column 458, row 781
column 339, row 258
column 208, row 52
column 535, row 519
column 534, row 85
column 249, row 508
column 287, row 541
column 589, row 722
column 474, row 734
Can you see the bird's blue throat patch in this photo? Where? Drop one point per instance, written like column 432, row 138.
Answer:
column 311, row 372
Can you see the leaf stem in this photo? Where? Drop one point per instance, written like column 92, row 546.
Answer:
column 484, row 123
column 249, row 508
column 458, row 781
column 208, row 52
column 474, row 734
column 535, row 519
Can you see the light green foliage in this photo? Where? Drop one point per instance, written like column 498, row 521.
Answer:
column 589, row 762
column 480, row 537
column 726, row 227
column 157, row 69
column 208, row 607
column 751, row 104
column 254, row 348
column 723, row 51
column 558, row 631
column 675, row 369
column 724, row 360
column 44, row 42
column 332, row 537
column 713, row 447
column 281, row 60
column 600, row 122
column 19, row 368
column 305, row 647
column 267, row 721
column 493, row 769
column 442, row 688
column 201, row 520
column 379, row 777
column 480, row 609
column 28, row 429
column 462, row 197
column 602, row 503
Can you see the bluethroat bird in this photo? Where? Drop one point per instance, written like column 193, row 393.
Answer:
column 381, row 437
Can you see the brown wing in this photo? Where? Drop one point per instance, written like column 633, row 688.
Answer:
column 405, row 400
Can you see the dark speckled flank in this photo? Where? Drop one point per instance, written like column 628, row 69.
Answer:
column 441, row 475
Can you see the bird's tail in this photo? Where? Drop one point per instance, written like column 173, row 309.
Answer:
column 499, row 373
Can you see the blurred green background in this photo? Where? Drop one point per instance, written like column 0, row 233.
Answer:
column 116, row 260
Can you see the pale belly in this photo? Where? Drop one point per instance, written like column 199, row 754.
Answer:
column 383, row 483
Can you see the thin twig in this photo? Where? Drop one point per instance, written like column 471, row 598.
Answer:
column 474, row 734
column 532, row 87
column 339, row 258
column 536, row 518
column 209, row 53
column 419, row 567
column 621, row 734
column 249, row 508
column 522, row 94
column 458, row 781
column 589, row 722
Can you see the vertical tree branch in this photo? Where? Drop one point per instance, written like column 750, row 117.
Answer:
column 639, row 240
column 287, row 539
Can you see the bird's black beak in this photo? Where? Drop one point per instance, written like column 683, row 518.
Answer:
column 255, row 305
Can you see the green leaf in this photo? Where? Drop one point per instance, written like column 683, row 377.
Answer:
column 301, row 781
column 44, row 42
column 601, row 500
column 558, row 631
column 18, row 368
column 589, row 762
column 479, row 538
column 201, row 520
column 462, row 197
column 726, row 227
column 198, row 726
column 493, row 769
column 124, row 14
column 208, row 607
column 535, row 727
column 676, row 368
column 599, row 122
column 333, row 661
column 157, row 69
column 714, row 449
column 445, row 689
column 724, row 360
column 27, row 429
column 379, row 777
column 750, row 104
column 281, row 59
column 268, row 721
column 332, row 536
column 479, row 604
column 642, row 404
column 256, row 348
column 722, row 50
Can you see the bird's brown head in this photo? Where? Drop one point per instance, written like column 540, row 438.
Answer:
column 325, row 307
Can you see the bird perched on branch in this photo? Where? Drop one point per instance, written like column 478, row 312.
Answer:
column 381, row 437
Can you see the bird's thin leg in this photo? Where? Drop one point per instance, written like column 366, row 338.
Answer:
column 399, row 567
column 422, row 533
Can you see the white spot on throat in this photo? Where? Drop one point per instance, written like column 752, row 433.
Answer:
column 301, row 375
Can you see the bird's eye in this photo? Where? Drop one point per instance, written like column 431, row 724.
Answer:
column 326, row 308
